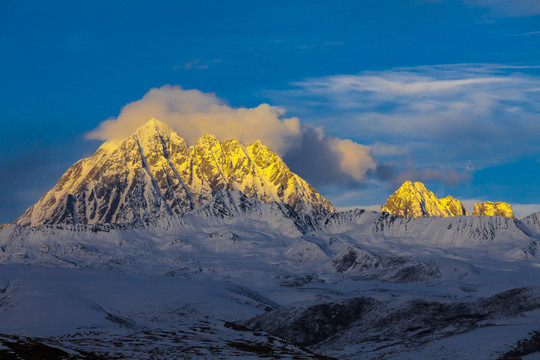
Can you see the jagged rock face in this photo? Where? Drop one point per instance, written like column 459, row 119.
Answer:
column 415, row 200
column 153, row 174
column 489, row 208
column 454, row 206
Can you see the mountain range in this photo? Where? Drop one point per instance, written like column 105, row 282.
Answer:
column 153, row 176
column 151, row 248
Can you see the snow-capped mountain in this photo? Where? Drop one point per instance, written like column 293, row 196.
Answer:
column 415, row 200
column 153, row 175
column 218, row 250
column 493, row 209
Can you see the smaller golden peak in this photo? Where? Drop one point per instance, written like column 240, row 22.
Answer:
column 493, row 209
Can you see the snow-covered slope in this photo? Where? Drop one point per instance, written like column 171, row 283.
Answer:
column 231, row 226
column 49, row 313
column 458, row 231
column 406, row 287
column 415, row 200
column 153, row 175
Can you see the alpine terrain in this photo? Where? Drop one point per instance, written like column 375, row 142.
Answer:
column 153, row 248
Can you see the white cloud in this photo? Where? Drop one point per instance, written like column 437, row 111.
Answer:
column 384, row 149
column 392, row 84
column 355, row 158
column 193, row 113
column 196, row 64
column 478, row 114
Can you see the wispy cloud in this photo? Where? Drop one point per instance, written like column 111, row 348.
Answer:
column 392, row 84
column 464, row 115
column 196, row 64
column 334, row 43
column 528, row 33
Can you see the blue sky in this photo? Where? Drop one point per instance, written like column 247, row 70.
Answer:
column 445, row 92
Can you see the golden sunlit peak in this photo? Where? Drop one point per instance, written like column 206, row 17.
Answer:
column 490, row 208
column 415, row 200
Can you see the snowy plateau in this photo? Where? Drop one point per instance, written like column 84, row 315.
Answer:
column 151, row 249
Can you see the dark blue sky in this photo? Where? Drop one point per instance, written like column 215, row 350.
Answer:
column 370, row 71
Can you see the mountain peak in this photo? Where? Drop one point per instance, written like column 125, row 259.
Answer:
column 152, row 174
column 415, row 200
column 153, row 127
column 407, row 183
column 155, row 124
column 489, row 208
